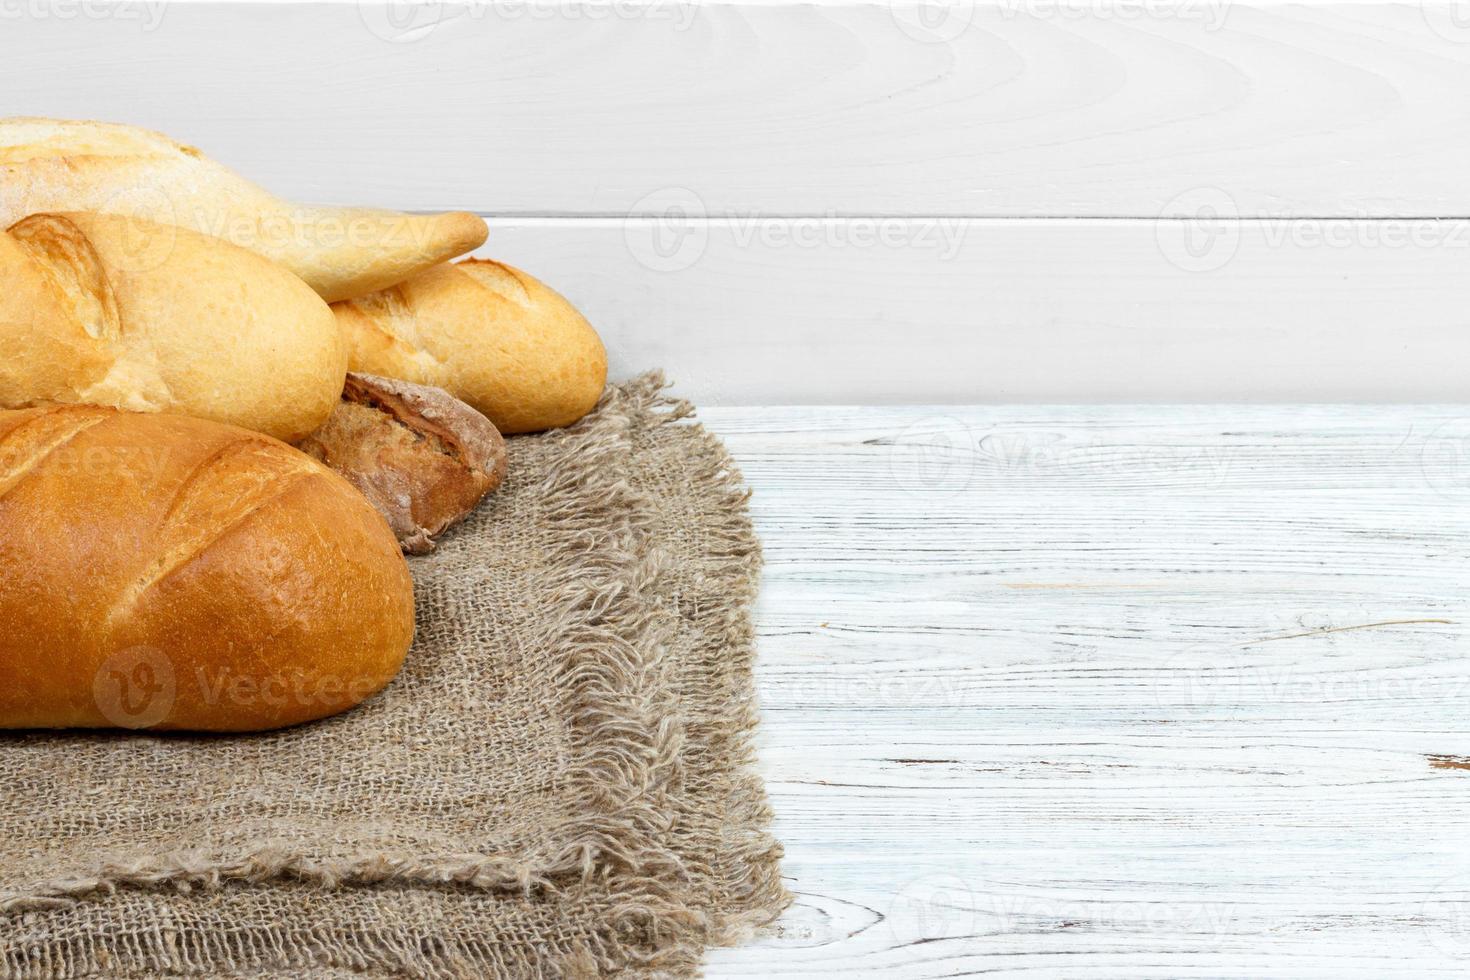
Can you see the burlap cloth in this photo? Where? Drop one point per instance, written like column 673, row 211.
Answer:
column 557, row 785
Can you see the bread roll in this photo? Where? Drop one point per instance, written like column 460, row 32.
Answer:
column 488, row 334
column 422, row 458
column 60, row 165
column 106, row 310
column 163, row 572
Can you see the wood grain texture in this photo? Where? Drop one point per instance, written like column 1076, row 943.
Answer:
column 873, row 202
column 1122, row 691
column 994, row 108
column 921, row 311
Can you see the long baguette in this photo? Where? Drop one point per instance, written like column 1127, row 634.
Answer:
column 163, row 572
column 493, row 336
column 63, row 165
column 106, row 310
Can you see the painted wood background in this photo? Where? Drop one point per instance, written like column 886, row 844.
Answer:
column 1114, row 691
column 1091, row 692
column 957, row 201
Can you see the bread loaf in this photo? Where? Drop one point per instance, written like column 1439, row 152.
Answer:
column 59, row 165
column 422, row 458
column 163, row 572
column 107, row 310
column 488, row 334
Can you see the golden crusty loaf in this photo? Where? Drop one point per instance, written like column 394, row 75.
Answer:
column 159, row 571
column 107, row 310
column 489, row 334
column 63, row 165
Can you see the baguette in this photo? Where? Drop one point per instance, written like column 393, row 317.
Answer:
column 106, row 310
column 491, row 335
column 60, row 165
column 164, row 572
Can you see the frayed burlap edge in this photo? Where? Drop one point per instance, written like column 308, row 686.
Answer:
column 746, row 863
column 629, row 749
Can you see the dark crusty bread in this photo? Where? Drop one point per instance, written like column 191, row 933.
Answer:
column 165, row 572
column 422, row 457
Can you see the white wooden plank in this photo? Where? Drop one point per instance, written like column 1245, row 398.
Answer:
column 1002, row 107
column 1114, row 691
column 919, row 310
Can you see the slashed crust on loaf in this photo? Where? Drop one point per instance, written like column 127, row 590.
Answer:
column 390, row 327
column 219, row 555
column 74, row 269
column 106, row 310
column 489, row 334
column 218, row 493
column 27, row 446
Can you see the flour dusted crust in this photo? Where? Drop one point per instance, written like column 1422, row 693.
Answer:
column 107, row 310
column 489, row 334
column 166, row 572
column 64, row 165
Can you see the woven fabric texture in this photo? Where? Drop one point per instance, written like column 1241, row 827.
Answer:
column 557, row 785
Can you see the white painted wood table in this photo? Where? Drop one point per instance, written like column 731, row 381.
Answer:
column 1114, row 691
